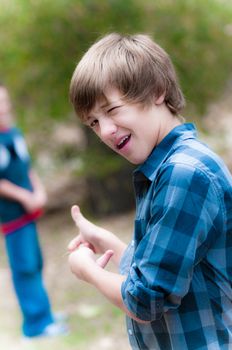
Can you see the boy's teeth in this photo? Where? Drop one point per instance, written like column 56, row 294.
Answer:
column 123, row 140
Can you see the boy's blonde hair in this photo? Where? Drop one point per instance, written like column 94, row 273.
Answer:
column 134, row 64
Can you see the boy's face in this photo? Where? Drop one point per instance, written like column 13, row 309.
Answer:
column 129, row 129
column 5, row 107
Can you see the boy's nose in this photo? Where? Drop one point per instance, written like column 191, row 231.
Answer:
column 107, row 128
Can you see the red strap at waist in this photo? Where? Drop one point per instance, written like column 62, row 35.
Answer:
column 11, row 226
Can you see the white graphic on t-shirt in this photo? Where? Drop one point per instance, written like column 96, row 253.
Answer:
column 4, row 157
column 21, row 148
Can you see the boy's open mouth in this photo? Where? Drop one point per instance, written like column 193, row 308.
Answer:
column 123, row 142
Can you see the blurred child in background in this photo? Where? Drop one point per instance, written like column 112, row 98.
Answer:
column 22, row 198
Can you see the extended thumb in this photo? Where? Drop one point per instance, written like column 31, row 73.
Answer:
column 75, row 212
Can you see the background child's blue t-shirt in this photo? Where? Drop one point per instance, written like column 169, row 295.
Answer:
column 15, row 167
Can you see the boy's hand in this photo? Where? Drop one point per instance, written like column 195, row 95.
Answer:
column 83, row 262
column 99, row 239
column 88, row 232
column 103, row 260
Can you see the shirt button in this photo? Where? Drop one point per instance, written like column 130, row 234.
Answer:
column 130, row 331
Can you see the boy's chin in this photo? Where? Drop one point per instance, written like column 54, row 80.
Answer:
column 134, row 161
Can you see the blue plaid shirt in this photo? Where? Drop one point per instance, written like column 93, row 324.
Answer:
column 179, row 264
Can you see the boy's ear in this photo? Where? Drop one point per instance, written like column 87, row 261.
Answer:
column 159, row 100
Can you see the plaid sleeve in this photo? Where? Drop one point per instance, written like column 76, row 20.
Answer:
column 184, row 219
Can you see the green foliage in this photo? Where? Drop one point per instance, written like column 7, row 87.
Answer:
column 195, row 34
column 44, row 43
column 43, row 40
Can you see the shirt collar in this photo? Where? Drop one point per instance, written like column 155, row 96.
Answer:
column 164, row 148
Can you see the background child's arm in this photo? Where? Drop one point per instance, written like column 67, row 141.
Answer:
column 37, row 185
column 31, row 201
column 39, row 192
column 12, row 191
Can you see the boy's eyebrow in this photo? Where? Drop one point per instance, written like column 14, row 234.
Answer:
column 105, row 104
column 108, row 103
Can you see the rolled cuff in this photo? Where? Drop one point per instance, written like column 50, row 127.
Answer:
column 145, row 304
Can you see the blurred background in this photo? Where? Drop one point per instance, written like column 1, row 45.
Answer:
column 41, row 43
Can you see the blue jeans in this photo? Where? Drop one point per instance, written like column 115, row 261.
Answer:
column 26, row 263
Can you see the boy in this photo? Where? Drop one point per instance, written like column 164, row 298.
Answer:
column 22, row 197
column 175, row 276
